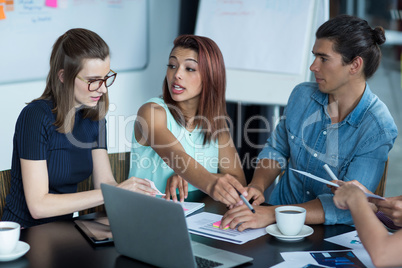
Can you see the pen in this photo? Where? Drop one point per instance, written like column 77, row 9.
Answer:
column 330, row 173
column 246, row 202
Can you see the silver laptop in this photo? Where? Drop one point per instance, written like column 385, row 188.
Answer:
column 154, row 231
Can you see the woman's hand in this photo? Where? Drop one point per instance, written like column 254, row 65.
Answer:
column 391, row 207
column 346, row 194
column 354, row 182
column 226, row 189
column 242, row 217
column 173, row 183
column 138, row 185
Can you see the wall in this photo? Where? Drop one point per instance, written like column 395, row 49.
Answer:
column 130, row 90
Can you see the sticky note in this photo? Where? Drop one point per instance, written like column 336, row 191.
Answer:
column 9, row 5
column 2, row 14
column 2, row 1
column 218, row 223
column 51, row 3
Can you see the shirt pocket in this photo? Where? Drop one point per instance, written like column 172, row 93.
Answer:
column 296, row 149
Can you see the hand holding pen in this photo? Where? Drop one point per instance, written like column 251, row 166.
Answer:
column 245, row 201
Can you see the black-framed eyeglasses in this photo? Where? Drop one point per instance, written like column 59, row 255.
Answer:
column 95, row 84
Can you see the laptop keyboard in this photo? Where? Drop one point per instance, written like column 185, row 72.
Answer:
column 205, row 263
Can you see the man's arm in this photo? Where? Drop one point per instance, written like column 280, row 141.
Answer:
column 264, row 175
column 265, row 216
column 314, row 211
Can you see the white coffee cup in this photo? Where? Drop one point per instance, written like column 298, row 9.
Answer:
column 9, row 236
column 290, row 219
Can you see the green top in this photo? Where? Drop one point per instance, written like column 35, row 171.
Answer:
column 147, row 164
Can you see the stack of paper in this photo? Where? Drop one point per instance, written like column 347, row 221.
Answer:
column 190, row 207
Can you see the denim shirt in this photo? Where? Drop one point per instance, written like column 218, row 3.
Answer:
column 355, row 149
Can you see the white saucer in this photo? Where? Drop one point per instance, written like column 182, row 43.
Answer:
column 274, row 231
column 19, row 251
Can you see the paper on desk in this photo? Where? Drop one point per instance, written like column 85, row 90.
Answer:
column 296, row 264
column 352, row 240
column 202, row 224
column 327, row 258
column 349, row 240
column 329, row 182
column 154, row 187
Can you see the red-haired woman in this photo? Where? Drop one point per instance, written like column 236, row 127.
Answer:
column 182, row 140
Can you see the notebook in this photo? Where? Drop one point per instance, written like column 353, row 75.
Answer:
column 154, row 231
column 97, row 230
column 191, row 207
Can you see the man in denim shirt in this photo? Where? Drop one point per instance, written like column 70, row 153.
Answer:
column 336, row 120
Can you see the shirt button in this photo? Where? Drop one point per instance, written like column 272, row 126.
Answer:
column 325, row 133
column 315, row 155
column 292, row 137
column 308, row 192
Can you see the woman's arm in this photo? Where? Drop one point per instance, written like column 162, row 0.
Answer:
column 384, row 249
column 229, row 164
column 43, row 204
column 102, row 173
column 152, row 131
column 229, row 160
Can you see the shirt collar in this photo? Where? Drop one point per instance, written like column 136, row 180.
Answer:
column 357, row 115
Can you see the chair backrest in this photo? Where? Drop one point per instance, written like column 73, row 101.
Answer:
column 381, row 186
column 5, row 182
column 120, row 164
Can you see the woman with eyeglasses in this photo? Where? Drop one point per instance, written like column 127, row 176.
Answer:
column 181, row 142
column 60, row 137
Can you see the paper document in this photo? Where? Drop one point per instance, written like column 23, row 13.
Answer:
column 329, row 182
column 202, row 224
column 154, row 187
column 352, row 240
column 190, row 207
column 375, row 196
column 315, row 177
column 330, row 258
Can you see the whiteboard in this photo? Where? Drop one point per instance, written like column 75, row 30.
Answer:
column 31, row 27
column 266, row 44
